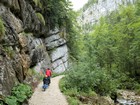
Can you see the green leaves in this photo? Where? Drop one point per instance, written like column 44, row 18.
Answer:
column 85, row 79
column 56, row 12
column 19, row 94
column 109, row 57
column 11, row 100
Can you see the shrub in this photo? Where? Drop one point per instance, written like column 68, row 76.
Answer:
column 40, row 17
column 19, row 94
column 85, row 79
column 11, row 100
column 73, row 101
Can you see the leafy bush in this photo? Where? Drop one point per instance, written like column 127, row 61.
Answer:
column 19, row 94
column 73, row 101
column 57, row 12
column 11, row 100
column 86, row 79
column 2, row 28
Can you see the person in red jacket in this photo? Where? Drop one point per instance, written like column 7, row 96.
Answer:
column 49, row 74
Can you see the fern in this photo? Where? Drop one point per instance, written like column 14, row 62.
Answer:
column 19, row 93
column 11, row 100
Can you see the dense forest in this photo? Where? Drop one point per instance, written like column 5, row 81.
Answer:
column 108, row 58
column 27, row 29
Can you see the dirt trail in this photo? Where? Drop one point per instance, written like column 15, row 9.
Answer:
column 52, row 96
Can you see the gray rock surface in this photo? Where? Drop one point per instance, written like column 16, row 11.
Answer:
column 58, row 51
column 93, row 13
column 24, row 46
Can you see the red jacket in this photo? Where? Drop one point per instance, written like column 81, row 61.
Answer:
column 48, row 72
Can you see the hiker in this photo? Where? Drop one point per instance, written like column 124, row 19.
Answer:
column 49, row 74
column 45, row 82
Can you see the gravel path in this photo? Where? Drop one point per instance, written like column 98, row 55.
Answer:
column 52, row 96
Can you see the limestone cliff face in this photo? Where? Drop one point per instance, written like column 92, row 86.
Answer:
column 58, row 50
column 27, row 44
column 92, row 14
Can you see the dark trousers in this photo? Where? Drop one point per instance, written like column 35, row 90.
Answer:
column 49, row 80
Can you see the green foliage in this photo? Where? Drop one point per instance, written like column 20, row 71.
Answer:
column 114, row 42
column 73, row 101
column 19, row 94
column 9, row 51
column 86, row 79
column 11, row 100
column 56, row 12
column 71, row 93
column 1, row 102
column 2, row 28
column 41, row 18
column 57, row 74
column 108, row 58
column 75, row 39
column 89, row 3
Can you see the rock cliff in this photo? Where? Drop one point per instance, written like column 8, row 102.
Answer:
column 92, row 13
column 26, row 45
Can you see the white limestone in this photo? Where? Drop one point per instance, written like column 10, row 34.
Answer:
column 102, row 8
column 59, row 52
column 60, row 68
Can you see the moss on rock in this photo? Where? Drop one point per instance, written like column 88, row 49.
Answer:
column 2, row 28
column 40, row 17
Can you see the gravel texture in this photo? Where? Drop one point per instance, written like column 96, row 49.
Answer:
column 52, row 95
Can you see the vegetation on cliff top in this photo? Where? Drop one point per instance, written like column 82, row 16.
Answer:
column 56, row 12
